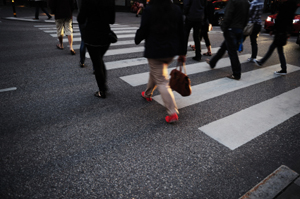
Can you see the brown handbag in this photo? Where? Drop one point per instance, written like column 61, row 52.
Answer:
column 180, row 82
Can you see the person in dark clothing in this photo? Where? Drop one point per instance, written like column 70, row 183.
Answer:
column 63, row 10
column 206, row 27
column 97, row 15
column 282, row 28
column 162, row 28
column 82, row 44
column 40, row 4
column 194, row 10
column 142, row 4
column 235, row 19
column 255, row 11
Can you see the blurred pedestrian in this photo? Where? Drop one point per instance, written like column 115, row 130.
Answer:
column 82, row 44
column 206, row 27
column 162, row 28
column 63, row 10
column 142, row 4
column 282, row 28
column 40, row 4
column 194, row 11
column 235, row 19
column 255, row 11
column 97, row 15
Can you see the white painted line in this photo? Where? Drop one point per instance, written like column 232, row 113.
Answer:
column 8, row 89
column 142, row 78
column 123, row 51
column 53, row 26
column 21, row 19
column 239, row 128
column 225, row 85
column 119, row 36
column 119, row 43
column 117, row 32
column 273, row 184
column 54, row 30
column 125, row 63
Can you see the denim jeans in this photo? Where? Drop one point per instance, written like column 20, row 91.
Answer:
column 280, row 53
column 231, row 43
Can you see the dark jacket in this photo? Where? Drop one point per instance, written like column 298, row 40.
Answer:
column 62, row 9
column 97, row 15
column 157, row 44
column 284, row 19
column 194, row 10
column 236, row 14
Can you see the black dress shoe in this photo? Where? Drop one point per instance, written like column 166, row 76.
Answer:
column 81, row 65
column 234, row 77
column 197, row 58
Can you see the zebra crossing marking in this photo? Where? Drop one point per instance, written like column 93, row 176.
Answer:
column 225, row 85
column 142, row 78
column 120, row 51
column 8, row 89
column 239, row 128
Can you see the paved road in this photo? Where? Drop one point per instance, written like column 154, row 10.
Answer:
column 59, row 141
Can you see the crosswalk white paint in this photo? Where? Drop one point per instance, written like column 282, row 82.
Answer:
column 248, row 123
column 225, row 85
column 142, row 78
column 239, row 128
column 8, row 89
column 139, row 48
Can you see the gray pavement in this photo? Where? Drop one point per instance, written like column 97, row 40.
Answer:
column 75, row 158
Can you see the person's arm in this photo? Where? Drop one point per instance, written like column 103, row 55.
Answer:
column 143, row 31
column 228, row 16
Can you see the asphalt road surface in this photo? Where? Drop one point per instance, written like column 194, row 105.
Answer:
column 59, row 141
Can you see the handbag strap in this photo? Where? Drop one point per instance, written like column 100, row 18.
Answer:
column 181, row 64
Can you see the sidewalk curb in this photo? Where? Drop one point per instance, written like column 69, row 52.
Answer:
column 272, row 185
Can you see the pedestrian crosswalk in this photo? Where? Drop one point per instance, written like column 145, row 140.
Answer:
column 232, row 131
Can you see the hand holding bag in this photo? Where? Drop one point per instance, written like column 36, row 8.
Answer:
column 180, row 82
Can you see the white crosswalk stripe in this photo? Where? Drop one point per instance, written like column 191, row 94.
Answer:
column 142, row 78
column 252, row 121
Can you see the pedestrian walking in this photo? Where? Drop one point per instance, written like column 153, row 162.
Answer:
column 235, row 19
column 206, row 27
column 194, row 11
column 142, row 4
column 97, row 17
column 282, row 29
column 63, row 10
column 255, row 11
column 40, row 4
column 82, row 44
column 162, row 28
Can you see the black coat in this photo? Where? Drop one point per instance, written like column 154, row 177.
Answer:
column 158, row 44
column 96, row 15
column 62, row 9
